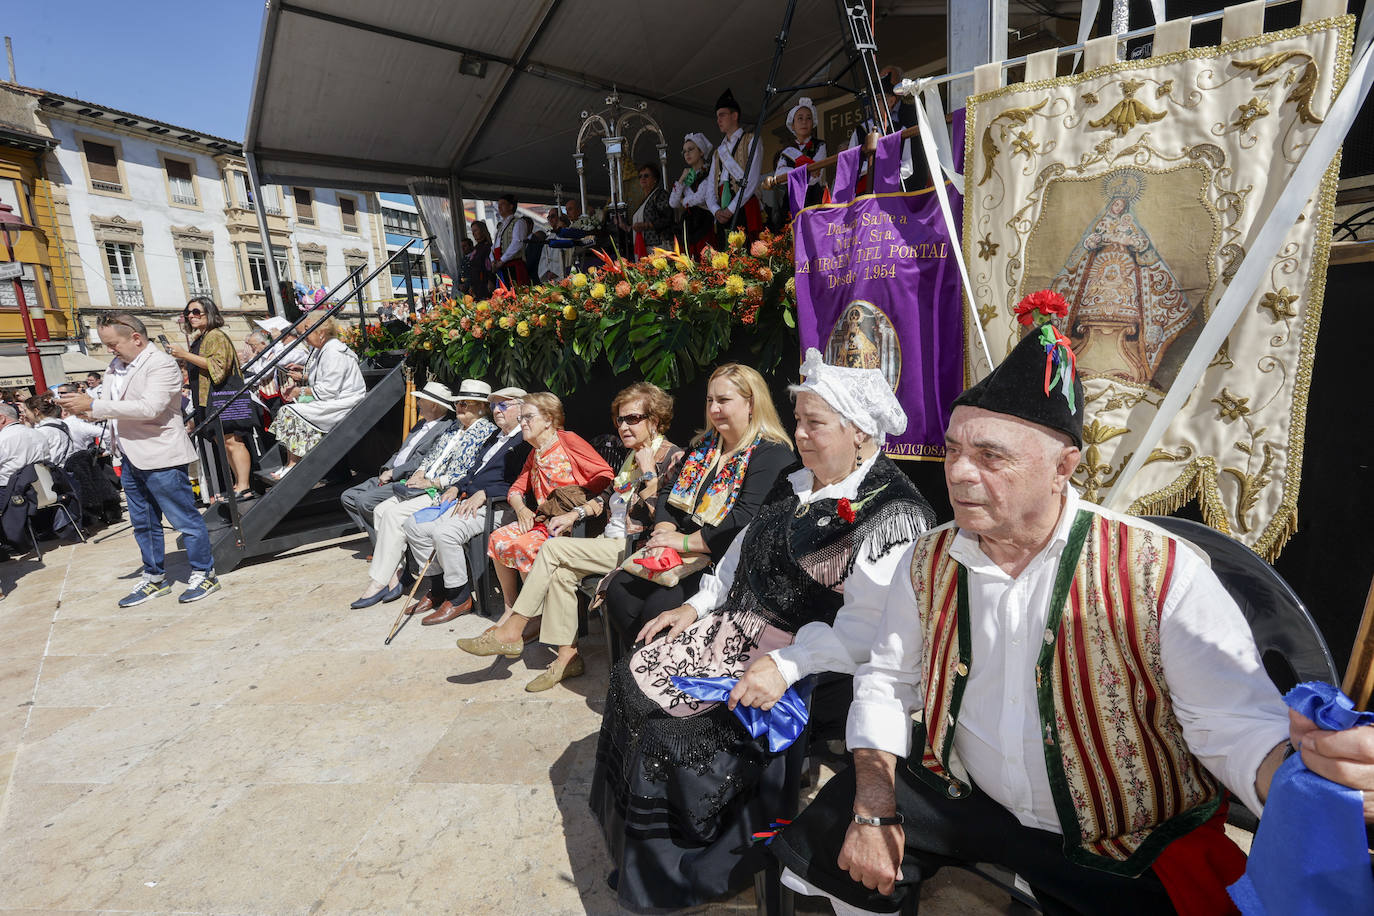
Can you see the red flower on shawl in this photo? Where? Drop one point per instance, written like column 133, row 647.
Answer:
column 1044, row 302
column 845, row 510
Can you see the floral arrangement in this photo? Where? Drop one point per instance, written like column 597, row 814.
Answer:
column 1038, row 310
column 374, row 339
column 667, row 315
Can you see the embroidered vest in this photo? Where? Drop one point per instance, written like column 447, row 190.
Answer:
column 1124, row 783
column 739, row 151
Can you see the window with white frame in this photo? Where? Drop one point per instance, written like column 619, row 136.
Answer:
column 195, row 268
column 314, row 273
column 102, row 163
column 119, row 259
column 257, row 266
column 400, row 222
column 181, row 181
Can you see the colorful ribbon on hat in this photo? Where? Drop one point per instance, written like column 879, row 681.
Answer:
column 783, row 724
column 1310, row 855
column 1060, row 363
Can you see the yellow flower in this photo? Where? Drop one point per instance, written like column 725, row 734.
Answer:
column 579, row 281
column 659, row 288
column 429, row 345
column 720, row 260
column 569, row 313
column 791, row 286
column 734, row 284
column 736, row 239
column 523, row 329
column 598, row 291
column 506, row 321
column 483, row 309
column 659, row 263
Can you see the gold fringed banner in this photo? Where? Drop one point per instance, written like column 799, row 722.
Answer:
column 1134, row 190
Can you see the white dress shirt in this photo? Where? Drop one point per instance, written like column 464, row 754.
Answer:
column 84, row 432
column 844, row 645
column 1230, row 712
column 411, row 442
column 57, row 441
column 20, row 446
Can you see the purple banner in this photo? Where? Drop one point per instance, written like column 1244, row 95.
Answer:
column 878, row 287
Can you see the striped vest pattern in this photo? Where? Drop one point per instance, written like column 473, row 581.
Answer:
column 1124, row 783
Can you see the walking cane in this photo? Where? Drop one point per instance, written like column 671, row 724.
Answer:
column 1359, row 674
column 400, row 616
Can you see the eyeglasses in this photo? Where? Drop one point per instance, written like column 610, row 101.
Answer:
column 529, row 417
column 630, row 419
column 193, row 312
column 503, row 406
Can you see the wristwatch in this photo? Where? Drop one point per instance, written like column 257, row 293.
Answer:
column 867, row 821
column 581, row 513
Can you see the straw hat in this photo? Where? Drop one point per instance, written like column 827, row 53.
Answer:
column 438, row 393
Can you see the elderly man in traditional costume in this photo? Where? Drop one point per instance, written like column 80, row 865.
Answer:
column 805, row 149
column 732, row 184
column 680, row 786
column 1086, row 687
column 508, row 248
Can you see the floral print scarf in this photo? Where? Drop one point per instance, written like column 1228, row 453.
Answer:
column 710, row 498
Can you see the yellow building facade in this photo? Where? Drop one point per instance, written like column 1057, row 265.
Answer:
column 47, row 278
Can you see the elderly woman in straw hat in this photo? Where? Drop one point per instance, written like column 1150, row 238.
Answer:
column 800, row 591
column 448, row 460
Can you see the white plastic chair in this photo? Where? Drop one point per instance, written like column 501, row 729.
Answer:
column 45, row 496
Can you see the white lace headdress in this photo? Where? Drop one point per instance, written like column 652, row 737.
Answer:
column 861, row 396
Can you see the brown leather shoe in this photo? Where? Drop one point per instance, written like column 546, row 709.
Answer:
column 423, row 606
column 446, row 612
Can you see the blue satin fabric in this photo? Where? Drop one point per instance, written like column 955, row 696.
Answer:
column 782, row 724
column 1310, row 856
column 433, row 512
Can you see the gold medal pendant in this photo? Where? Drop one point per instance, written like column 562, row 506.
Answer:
column 801, row 510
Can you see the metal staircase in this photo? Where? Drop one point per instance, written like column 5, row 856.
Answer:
column 303, row 507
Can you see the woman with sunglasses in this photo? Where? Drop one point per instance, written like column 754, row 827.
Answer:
column 558, row 461
column 213, row 366
column 640, row 413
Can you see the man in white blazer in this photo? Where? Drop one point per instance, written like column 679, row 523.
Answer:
column 141, row 395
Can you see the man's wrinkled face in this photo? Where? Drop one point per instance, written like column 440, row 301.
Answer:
column 1002, row 471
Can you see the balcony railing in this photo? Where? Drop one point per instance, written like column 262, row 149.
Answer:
column 129, row 297
column 188, row 199
column 200, row 289
column 269, row 209
column 114, row 186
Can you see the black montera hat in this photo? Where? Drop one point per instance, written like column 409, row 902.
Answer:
column 1031, row 384
column 727, row 100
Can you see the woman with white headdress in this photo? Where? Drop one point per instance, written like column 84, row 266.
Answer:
column 690, row 192
column 805, row 149
column 680, row 785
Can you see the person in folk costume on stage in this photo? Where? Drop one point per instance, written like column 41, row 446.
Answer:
column 902, row 110
column 652, row 223
column 508, row 249
column 729, row 190
column 808, row 148
column 690, row 193
column 680, row 786
column 1087, row 688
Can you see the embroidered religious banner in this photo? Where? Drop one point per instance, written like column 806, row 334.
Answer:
column 1133, row 189
column 878, row 288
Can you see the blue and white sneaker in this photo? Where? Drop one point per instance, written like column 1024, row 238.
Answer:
column 201, row 584
column 146, row 590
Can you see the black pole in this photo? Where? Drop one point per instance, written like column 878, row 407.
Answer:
column 755, row 141
column 410, row 287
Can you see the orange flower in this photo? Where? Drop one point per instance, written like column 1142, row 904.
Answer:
column 622, row 289
column 678, row 282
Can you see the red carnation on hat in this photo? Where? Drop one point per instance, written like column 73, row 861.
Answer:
column 845, row 510
column 1042, row 302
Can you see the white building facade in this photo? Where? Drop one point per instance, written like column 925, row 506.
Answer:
column 153, row 214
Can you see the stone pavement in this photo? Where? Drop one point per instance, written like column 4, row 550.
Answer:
column 261, row 752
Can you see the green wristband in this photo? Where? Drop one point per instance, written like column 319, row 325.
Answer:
column 686, row 543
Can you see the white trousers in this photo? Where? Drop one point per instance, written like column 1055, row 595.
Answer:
column 389, row 518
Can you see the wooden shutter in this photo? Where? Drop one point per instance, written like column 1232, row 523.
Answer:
column 348, row 211
column 101, row 161
column 178, row 170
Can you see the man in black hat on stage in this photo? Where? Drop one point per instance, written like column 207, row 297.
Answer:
column 1085, row 689
column 903, row 114
column 730, row 190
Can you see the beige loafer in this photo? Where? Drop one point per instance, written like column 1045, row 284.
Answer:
column 488, row 644
column 553, row 675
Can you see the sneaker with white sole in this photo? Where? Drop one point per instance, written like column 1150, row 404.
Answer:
column 201, row 584
column 146, row 590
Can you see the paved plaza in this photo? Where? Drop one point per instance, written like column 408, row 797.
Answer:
column 261, row 752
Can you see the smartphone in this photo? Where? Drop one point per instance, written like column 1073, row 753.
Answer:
column 166, row 345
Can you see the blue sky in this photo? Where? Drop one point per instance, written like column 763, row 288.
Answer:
column 186, row 62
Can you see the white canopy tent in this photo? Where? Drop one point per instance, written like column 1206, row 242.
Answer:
column 352, row 93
